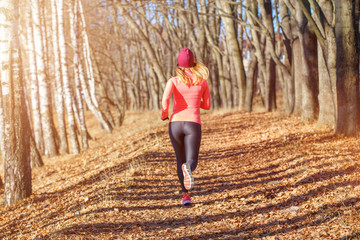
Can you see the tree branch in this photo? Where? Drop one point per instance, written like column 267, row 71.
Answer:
column 313, row 24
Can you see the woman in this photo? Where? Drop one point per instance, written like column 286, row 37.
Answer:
column 191, row 92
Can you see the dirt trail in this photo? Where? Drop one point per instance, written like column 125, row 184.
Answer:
column 259, row 176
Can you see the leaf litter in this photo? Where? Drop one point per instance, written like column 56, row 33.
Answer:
column 260, row 175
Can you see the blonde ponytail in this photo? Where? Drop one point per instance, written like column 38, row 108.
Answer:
column 199, row 71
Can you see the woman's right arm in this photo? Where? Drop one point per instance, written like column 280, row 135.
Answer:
column 169, row 88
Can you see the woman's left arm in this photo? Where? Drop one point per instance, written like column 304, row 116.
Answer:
column 205, row 102
column 166, row 99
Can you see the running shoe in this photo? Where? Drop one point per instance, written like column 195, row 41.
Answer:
column 188, row 178
column 186, row 199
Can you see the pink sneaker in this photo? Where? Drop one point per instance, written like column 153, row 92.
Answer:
column 188, row 178
column 186, row 200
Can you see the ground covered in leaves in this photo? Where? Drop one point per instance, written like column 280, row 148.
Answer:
column 260, row 175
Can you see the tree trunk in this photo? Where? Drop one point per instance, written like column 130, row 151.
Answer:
column 66, row 82
column 256, row 41
column 310, row 77
column 97, row 113
column 59, row 92
column 44, row 92
column 234, row 50
column 297, row 76
column 250, row 82
column 2, row 128
column 35, row 156
column 87, row 57
column 347, row 64
column 326, row 96
column 322, row 21
column 16, row 152
column 78, row 98
column 305, row 66
column 288, row 88
column 34, row 86
column 89, row 96
column 217, row 76
column 270, row 70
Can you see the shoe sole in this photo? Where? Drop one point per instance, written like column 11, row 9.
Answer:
column 188, row 178
column 186, row 203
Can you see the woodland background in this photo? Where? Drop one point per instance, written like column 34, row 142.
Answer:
column 65, row 62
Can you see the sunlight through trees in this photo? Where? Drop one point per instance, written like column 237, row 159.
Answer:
column 62, row 59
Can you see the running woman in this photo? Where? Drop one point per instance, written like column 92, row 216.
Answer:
column 191, row 92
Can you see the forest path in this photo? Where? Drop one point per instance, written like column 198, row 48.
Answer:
column 259, row 176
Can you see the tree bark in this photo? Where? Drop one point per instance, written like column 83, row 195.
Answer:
column 35, row 156
column 288, row 88
column 16, row 152
column 234, row 50
column 59, row 91
column 270, row 71
column 44, row 91
column 66, row 82
column 305, row 67
column 34, row 86
column 74, row 30
column 347, row 64
column 258, row 45
column 250, row 82
column 89, row 95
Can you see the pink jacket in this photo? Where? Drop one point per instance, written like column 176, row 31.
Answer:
column 187, row 100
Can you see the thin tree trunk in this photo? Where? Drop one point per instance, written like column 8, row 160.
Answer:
column 35, row 156
column 215, row 79
column 259, row 51
column 87, row 57
column 89, row 95
column 66, row 82
column 59, row 106
column 2, row 129
column 97, row 113
column 250, row 82
column 34, row 86
column 45, row 106
column 104, row 99
column 270, row 73
column 146, row 44
column 79, row 103
column 234, row 50
column 288, row 89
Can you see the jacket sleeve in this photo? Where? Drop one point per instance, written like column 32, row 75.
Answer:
column 169, row 88
column 205, row 102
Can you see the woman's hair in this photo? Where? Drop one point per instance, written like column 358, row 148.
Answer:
column 199, row 71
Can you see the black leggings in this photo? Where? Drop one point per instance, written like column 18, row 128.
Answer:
column 185, row 138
